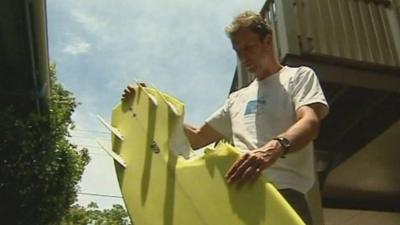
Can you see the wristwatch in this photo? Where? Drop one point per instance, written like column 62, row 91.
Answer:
column 285, row 143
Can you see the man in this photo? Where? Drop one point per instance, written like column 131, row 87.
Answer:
column 273, row 120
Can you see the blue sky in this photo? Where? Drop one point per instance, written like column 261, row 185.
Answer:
column 100, row 46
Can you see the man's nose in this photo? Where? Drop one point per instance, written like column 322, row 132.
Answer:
column 242, row 56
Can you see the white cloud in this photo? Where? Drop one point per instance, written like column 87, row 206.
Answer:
column 76, row 48
column 89, row 21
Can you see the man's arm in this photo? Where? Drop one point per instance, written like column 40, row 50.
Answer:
column 306, row 129
column 200, row 137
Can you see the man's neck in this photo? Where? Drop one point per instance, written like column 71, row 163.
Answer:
column 269, row 71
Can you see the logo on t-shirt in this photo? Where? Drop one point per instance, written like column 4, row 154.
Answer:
column 253, row 105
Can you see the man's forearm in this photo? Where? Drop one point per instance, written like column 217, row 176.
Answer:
column 302, row 132
column 192, row 134
column 200, row 137
column 306, row 128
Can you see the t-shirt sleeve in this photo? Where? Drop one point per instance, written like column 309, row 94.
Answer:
column 306, row 89
column 220, row 120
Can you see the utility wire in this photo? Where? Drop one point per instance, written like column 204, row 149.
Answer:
column 90, row 146
column 92, row 149
column 96, row 153
column 87, row 137
column 100, row 195
column 90, row 131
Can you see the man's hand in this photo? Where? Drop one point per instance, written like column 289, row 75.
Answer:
column 250, row 166
column 129, row 92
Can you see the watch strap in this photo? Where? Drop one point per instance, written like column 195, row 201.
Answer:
column 285, row 143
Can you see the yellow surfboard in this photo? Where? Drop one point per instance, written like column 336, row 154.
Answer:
column 162, row 185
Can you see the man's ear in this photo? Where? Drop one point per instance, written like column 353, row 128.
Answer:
column 267, row 42
column 269, row 39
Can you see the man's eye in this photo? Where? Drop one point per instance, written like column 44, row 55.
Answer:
column 249, row 47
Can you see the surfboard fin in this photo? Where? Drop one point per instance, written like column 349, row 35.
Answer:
column 151, row 97
column 170, row 105
column 113, row 130
column 112, row 154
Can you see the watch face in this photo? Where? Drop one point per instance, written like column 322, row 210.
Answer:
column 285, row 142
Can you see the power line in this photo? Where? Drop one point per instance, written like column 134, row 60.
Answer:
column 90, row 146
column 96, row 153
column 90, row 138
column 92, row 150
column 90, row 131
column 100, row 195
column 93, row 144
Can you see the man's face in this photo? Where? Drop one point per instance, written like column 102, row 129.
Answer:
column 251, row 50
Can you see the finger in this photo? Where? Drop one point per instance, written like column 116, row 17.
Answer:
column 242, row 178
column 125, row 94
column 235, row 166
column 130, row 88
column 127, row 90
column 251, row 172
column 255, row 175
column 245, row 167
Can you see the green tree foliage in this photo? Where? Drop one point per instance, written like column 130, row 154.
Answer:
column 39, row 168
column 79, row 215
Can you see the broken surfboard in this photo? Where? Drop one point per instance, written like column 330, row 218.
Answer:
column 162, row 185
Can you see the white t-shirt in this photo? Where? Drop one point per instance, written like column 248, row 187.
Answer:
column 254, row 115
